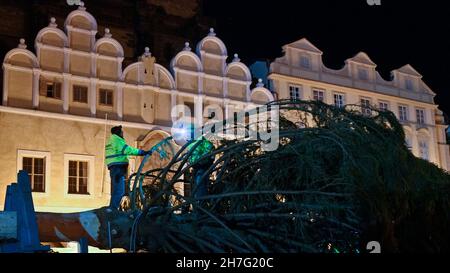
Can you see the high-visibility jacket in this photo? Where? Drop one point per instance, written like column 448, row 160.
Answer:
column 202, row 149
column 117, row 151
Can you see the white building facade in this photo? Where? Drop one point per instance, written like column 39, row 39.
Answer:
column 301, row 74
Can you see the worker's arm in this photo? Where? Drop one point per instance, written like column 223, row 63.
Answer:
column 128, row 150
column 123, row 148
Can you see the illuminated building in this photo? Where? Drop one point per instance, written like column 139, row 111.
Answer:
column 60, row 102
column 301, row 74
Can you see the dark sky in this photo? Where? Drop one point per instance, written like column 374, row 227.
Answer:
column 393, row 34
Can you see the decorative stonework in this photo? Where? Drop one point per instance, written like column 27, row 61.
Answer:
column 22, row 44
column 81, row 6
column 187, row 47
column 52, row 22
column 107, row 33
column 211, row 32
column 74, row 57
column 236, row 58
column 260, row 83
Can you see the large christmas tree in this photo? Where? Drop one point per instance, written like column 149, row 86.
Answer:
column 339, row 179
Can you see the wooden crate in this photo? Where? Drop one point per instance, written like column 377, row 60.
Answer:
column 8, row 225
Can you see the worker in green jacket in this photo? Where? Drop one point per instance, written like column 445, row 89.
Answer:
column 116, row 156
column 200, row 165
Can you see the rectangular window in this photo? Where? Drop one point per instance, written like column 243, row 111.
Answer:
column 402, row 113
column 339, row 100
column 78, row 177
column 53, row 90
column 363, row 74
column 409, row 84
column 294, row 92
column 35, row 168
column 106, row 97
column 305, row 62
column 420, row 116
column 383, row 106
column 319, row 95
column 80, row 93
column 365, row 107
column 50, row 90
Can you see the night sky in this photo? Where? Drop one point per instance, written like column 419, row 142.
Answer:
column 393, row 34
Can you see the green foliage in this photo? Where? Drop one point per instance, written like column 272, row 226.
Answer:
column 338, row 180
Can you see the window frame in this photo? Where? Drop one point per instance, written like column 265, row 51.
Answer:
column 34, row 175
column 84, row 88
column 305, row 62
column 90, row 159
column 52, row 91
column 384, row 102
column 406, row 113
column 319, row 91
column 298, row 88
column 409, row 84
column 365, row 109
column 423, row 116
column 78, row 166
column 363, row 74
column 47, row 159
column 55, row 90
column 107, row 90
column 343, row 99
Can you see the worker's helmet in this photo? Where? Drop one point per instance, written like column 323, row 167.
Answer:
column 117, row 130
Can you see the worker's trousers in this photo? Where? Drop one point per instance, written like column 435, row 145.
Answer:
column 117, row 173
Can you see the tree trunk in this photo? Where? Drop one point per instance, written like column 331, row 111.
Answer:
column 93, row 224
